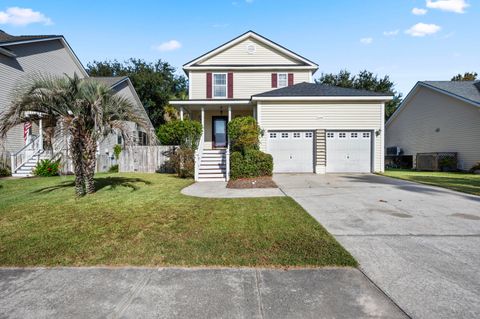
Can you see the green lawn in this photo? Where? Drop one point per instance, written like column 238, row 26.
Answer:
column 462, row 182
column 142, row 219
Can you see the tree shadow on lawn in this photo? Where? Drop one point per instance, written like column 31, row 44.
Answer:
column 111, row 181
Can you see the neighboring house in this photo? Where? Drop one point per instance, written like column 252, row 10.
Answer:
column 22, row 56
column 307, row 127
column 439, row 116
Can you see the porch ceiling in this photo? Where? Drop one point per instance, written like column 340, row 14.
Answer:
column 196, row 105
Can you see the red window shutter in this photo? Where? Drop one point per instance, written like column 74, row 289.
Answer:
column 274, row 80
column 290, row 79
column 209, row 85
column 230, row 85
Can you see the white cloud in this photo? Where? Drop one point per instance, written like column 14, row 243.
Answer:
column 168, row 46
column 457, row 6
column 366, row 40
column 390, row 33
column 23, row 16
column 419, row 11
column 423, row 29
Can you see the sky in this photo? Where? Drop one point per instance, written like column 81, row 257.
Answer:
column 409, row 40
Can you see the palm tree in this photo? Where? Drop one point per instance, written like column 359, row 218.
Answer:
column 88, row 110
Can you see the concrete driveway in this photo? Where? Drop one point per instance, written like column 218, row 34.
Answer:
column 419, row 244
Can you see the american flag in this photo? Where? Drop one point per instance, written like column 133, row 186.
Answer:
column 26, row 130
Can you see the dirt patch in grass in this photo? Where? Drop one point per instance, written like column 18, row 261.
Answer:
column 255, row 182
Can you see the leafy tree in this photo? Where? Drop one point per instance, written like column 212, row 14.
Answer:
column 88, row 111
column 185, row 133
column 155, row 82
column 365, row 80
column 467, row 76
column 244, row 133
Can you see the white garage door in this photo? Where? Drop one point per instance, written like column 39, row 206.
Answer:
column 349, row 152
column 292, row 151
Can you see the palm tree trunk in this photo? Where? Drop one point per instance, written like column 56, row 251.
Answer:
column 77, row 149
column 90, row 163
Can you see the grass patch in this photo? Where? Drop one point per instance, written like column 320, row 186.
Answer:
column 462, row 182
column 143, row 219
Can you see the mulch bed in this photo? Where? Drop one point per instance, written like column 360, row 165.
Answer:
column 255, row 182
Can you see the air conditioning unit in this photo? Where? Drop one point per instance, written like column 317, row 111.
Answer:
column 394, row 151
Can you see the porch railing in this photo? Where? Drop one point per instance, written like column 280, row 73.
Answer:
column 198, row 156
column 227, row 163
column 27, row 152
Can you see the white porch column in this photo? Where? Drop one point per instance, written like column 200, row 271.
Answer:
column 202, row 119
column 229, row 113
column 40, row 133
column 181, row 113
column 255, row 112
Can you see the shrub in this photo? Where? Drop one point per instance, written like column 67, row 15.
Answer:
column 4, row 171
column 117, row 149
column 184, row 133
column 253, row 163
column 183, row 162
column 448, row 163
column 244, row 133
column 474, row 168
column 113, row 169
column 47, row 167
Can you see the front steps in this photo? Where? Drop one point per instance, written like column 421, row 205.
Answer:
column 213, row 166
column 26, row 170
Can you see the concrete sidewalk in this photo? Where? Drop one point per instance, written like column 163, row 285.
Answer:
column 220, row 190
column 191, row 293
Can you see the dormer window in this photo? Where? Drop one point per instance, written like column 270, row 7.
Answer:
column 282, row 80
column 219, row 85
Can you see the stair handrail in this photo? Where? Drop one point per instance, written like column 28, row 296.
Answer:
column 227, row 163
column 198, row 156
column 19, row 158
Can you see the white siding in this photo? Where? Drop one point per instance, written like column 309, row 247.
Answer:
column 435, row 122
column 48, row 57
column 245, row 83
column 325, row 116
column 238, row 55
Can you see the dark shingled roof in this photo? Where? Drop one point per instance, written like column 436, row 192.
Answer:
column 6, row 38
column 305, row 89
column 469, row 90
column 109, row 80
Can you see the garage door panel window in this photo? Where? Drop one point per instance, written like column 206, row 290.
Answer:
column 296, row 135
column 330, row 135
column 284, row 135
column 273, row 135
column 308, row 135
column 342, row 135
column 354, row 135
column 366, row 135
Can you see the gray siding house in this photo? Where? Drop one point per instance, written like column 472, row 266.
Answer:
column 439, row 116
column 22, row 56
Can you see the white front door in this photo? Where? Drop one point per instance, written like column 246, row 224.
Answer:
column 349, row 152
column 292, row 151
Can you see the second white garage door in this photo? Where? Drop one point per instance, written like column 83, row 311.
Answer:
column 349, row 152
column 292, row 151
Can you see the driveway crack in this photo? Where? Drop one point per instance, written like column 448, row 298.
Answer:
column 259, row 294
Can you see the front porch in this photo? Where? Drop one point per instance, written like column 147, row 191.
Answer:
column 213, row 153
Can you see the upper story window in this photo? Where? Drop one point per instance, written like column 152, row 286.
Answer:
column 282, row 80
column 219, row 85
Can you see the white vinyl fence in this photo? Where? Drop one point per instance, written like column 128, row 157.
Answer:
column 145, row 159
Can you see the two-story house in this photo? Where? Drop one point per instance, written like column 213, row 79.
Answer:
column 22, row 56
column 307, row 127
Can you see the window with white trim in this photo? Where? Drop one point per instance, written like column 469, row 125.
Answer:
column 354, row 135
column 330, row 135
column 366, row 135
column 273, row 135
column 284, row 135
column 342, row 135
column 219, row 85
column 296, row 135
column 282, row 80
column 308, row 134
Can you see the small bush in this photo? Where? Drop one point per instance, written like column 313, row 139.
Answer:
column 253, row 164
column 475, row 168
column 47, row 167
column 113, row 169
column 117, row 149
column 4, row 171
column 244, row 134
column 184, row 133
column 183, row 162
